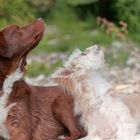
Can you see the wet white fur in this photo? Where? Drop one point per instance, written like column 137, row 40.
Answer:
column 102, row 116
column 7, row 89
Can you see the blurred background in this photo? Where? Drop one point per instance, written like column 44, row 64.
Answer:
column 113, row 24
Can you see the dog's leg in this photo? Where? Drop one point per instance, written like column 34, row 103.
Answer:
column 92, row 135
column 18, row 125
column 62, row 108
column 19, row 134
column 120, row 118
column 1, row 138
column 137, row 137
column 126, row 126
column 126, row 131
column 19, row 137
column 87, row 138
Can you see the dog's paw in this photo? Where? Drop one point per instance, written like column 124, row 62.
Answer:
column 91, row 138
column 61, row 137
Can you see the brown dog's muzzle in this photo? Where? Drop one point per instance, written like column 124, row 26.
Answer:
column 32, row 34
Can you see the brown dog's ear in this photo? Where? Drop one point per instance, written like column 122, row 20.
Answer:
column 6, row 49
column 3, row 49
column 18, row 41
column 71, row 61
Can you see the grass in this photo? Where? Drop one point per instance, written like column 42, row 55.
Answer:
column 135, row 37
column 120, row 58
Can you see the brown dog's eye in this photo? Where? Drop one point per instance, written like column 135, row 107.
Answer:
column 25, row 63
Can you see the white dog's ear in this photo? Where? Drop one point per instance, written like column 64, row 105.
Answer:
column 74, row 55
column 61, row 75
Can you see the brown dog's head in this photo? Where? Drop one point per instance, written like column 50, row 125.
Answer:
column 15, row 43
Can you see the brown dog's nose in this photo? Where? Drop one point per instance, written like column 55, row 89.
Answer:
column 39, row 25
column 40, row 20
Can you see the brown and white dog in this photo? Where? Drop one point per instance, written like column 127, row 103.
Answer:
column 30, row 112
column 103, row 116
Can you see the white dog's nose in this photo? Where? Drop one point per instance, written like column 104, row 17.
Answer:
column 96, row 47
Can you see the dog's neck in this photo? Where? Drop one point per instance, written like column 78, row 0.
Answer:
column 100, row 84
column 96, row 88
column 10, row 80
column 8, row 83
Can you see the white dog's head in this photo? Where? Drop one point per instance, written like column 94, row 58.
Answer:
column 81, row 64
column 92, row 58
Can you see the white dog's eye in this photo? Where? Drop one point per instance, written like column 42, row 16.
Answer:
column 83, row 53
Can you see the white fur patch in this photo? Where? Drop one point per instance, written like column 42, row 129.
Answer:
column 99, row 81
column 7, row 89
column 9, row 81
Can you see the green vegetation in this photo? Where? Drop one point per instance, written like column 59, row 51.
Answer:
column 78, row 23
column 120, row 58
column 129, row 11
column 15, row 12
column 36, row 68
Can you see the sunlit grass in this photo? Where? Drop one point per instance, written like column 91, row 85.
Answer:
column 120, row 58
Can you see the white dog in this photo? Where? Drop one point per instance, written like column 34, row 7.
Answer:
column 103, row 116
